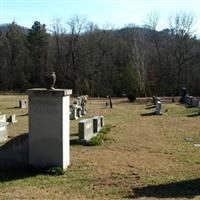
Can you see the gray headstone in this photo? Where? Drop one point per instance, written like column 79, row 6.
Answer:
column 73, row 112
column 190, row 100
column 83, row 110
column 195, row 102
column 158, row 108
column 79, row 110
column 86, row 129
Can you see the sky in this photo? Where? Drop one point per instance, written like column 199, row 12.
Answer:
column 116, row 13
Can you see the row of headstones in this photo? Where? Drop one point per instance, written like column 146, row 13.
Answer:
column 78, row 108
column 191, row 101
column 3, row 126
column 11, row 119
column 90, row 127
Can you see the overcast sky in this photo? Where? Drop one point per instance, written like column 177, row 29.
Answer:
column 102, row 12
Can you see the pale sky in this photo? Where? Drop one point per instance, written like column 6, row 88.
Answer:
column 102, row 12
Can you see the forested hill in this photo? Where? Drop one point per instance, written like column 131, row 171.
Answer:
column 101, row 62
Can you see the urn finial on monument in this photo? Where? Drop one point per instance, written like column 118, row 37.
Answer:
column 50, row 79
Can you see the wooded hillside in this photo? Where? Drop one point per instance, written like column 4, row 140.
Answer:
column 102, row 62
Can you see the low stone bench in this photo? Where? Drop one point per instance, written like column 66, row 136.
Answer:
column 86, row 129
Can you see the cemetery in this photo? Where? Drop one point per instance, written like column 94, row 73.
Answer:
column 146, row 157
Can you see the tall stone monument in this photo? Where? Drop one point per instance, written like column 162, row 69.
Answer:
column 49, row 138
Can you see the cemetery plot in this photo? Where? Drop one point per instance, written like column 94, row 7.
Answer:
column 144, row 153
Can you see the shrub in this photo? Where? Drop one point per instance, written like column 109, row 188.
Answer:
column 100, row 137
column 55, row 171
column 95, row 141
column 131, row 97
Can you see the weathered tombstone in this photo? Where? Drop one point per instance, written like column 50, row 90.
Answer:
column 158, row 108
column 49, row 143
column 73, row 112
column 79, row 100
column 12, row 119
column 190, row 100
column 154, row 100
column 23, row 103
column 3, row 132
column 187, row 99
column 102, row 121
column 96, row 124
column 195, row 102
column 183, row 95
column 83, row 109
column 79, row 111
column 110, row 101
column 86, row 129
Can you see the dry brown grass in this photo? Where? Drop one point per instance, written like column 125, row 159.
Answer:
column 143, row 152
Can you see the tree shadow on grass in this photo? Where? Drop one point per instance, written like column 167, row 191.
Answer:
column 150, row 107
column 149, row 114
column 182, row 189
column 194, row 114
column 14, row 159
column 15, row 174
column 14, row 153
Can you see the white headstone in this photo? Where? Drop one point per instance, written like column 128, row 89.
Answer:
column 86, row 129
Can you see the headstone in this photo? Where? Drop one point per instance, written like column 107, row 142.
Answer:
column 96, row 124
column 3, row 132
column 79, row 100
column 187, row 99
column 86, row 129
column 12, row 119
column 79, row 110
column 23, row 103
column 83, row 109
column 102, row 121
column 195, row 102
column 154, row 100
column 190, row 100
column 3, row 118
column 73, row 112
column 158, row 108
column 49, row 143
column 183, row 95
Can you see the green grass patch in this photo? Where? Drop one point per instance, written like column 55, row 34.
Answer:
column 101, row 136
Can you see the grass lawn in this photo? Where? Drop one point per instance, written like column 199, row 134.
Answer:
column 147, row 157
